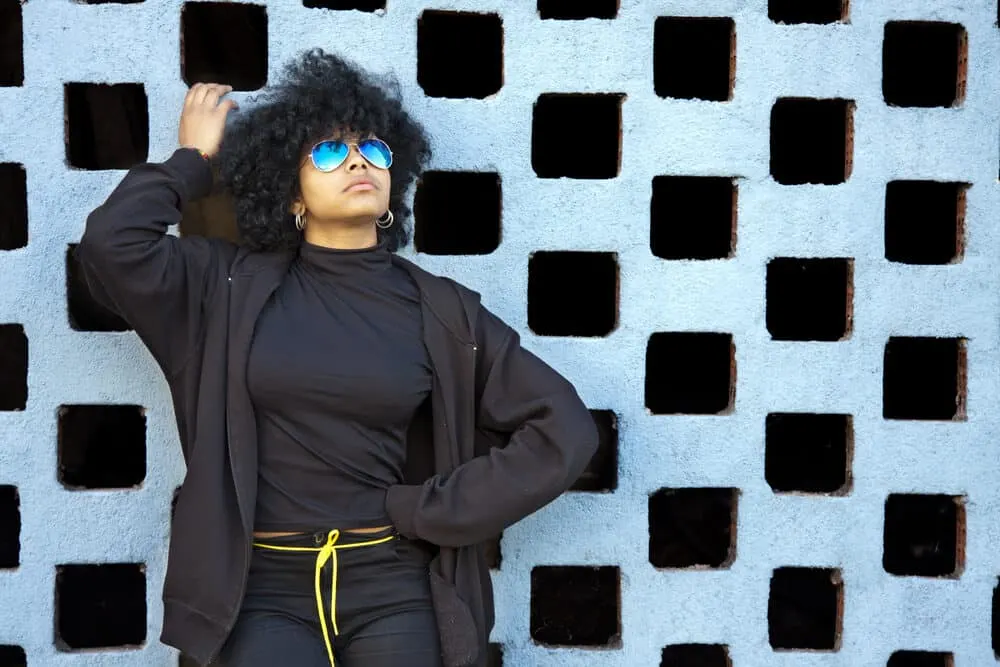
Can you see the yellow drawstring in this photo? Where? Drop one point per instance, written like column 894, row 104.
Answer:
column 328, row 552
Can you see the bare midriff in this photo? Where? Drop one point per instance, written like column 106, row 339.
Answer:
column 359, row 531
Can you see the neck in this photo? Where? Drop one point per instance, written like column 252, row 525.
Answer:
column 341, row 236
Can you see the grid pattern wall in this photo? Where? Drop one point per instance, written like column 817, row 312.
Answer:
column 758, row 235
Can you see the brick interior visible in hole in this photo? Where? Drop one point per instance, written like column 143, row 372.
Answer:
column 812, row 11
column 576, row 606
column 494, row 655
column 601, row 473
column 573, row 293
column 576, row 136
column 924, row 535
column 577, row 9
column 924, row 64
column 13, row 367
column 924, row 222
column 493, row 552
column 13, row 206
column 690, row 373
column 102, row 446
column 212, row 216
column 85, row 312
column 812, row 141
column 459, row 54
column 11, row 43
column 805, row 609
column 694, row 58
column 808, row 453
column 693, row 217
column 809, row 299
column 224, row 42
column 924, row 378
column 107, row 126
column 695, row 655
column 692, row 528
column 345, row 5
column 10, row 528
column 100, row 606
column 13, row 656
column 920, row 659
column 457, row 213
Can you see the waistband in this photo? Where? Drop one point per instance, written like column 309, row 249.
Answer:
column 325, row 544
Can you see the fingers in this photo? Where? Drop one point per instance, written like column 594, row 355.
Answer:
column 206, row 94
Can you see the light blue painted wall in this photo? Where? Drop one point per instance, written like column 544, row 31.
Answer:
column 65, row 41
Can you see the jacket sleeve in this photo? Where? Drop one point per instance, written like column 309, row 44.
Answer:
column 552, row 439
column 153, row 280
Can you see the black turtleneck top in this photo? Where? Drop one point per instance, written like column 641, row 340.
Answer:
column 337, row 370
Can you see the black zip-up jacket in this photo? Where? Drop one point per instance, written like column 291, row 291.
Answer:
column 502, row 435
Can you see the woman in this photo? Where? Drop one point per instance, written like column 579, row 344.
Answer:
column 354, row 428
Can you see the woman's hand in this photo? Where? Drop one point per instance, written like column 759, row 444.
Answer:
column 203, row 118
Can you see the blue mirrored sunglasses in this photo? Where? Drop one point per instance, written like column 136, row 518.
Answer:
column 328, row 155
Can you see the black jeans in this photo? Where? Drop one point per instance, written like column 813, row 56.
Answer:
column 384, row 612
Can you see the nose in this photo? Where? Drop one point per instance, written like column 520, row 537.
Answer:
column 355, row 160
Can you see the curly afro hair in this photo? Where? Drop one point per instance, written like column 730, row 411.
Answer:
column 259, row 159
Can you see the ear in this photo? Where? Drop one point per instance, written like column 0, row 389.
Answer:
column 297, row 207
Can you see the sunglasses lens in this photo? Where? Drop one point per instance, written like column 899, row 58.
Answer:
column 328, row 155
column 376, row 152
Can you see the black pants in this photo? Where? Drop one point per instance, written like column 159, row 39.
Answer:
column 383, row 612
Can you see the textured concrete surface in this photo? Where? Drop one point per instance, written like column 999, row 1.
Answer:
column 66, row 41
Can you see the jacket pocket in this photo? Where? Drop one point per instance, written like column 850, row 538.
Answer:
column 459, row 637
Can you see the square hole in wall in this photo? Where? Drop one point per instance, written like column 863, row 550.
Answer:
column 212, row 216
column 812, row 141
column 576, row 136
column 13, row 367
column 809, row 299
column 493, row 552
column 694, row 58
column 813, row 11
column 10, row 528
column 808, row 453
column 924, row 64
column 573, row 293
column 185, row 661
column 85, row 313
column 924, row 222
column 459, row 54
column 924, row 535
column 995, row 622
column 693, row 217
column 695, row 655
column 920, row 659
column 13, row 207
column 13, row 656
column 924, row 378
column 576, row 606
column 601, row 473
column 457, row 213
column 102, row 446
column 11, row 43
column 692, row 528
column 224, row 42
column 345, row 5
column 577, row 9
column 100, row 606
column 805, row 609
column 494, row 655
column 690, row 373
column 107, row 126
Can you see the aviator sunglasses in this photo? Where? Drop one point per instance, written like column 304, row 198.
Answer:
column 328, row 155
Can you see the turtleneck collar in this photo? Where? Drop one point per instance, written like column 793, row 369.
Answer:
column 340, row 263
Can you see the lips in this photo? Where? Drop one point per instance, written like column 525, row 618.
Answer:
column 360, row 185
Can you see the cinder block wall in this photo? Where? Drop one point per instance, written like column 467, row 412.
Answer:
column 763, row 246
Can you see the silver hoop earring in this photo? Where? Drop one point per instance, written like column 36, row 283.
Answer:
column 385, row 222
column 300, row 222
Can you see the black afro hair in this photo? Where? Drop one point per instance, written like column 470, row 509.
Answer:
column 258, row 162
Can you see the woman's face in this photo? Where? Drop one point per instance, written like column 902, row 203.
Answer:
column 354, row 192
